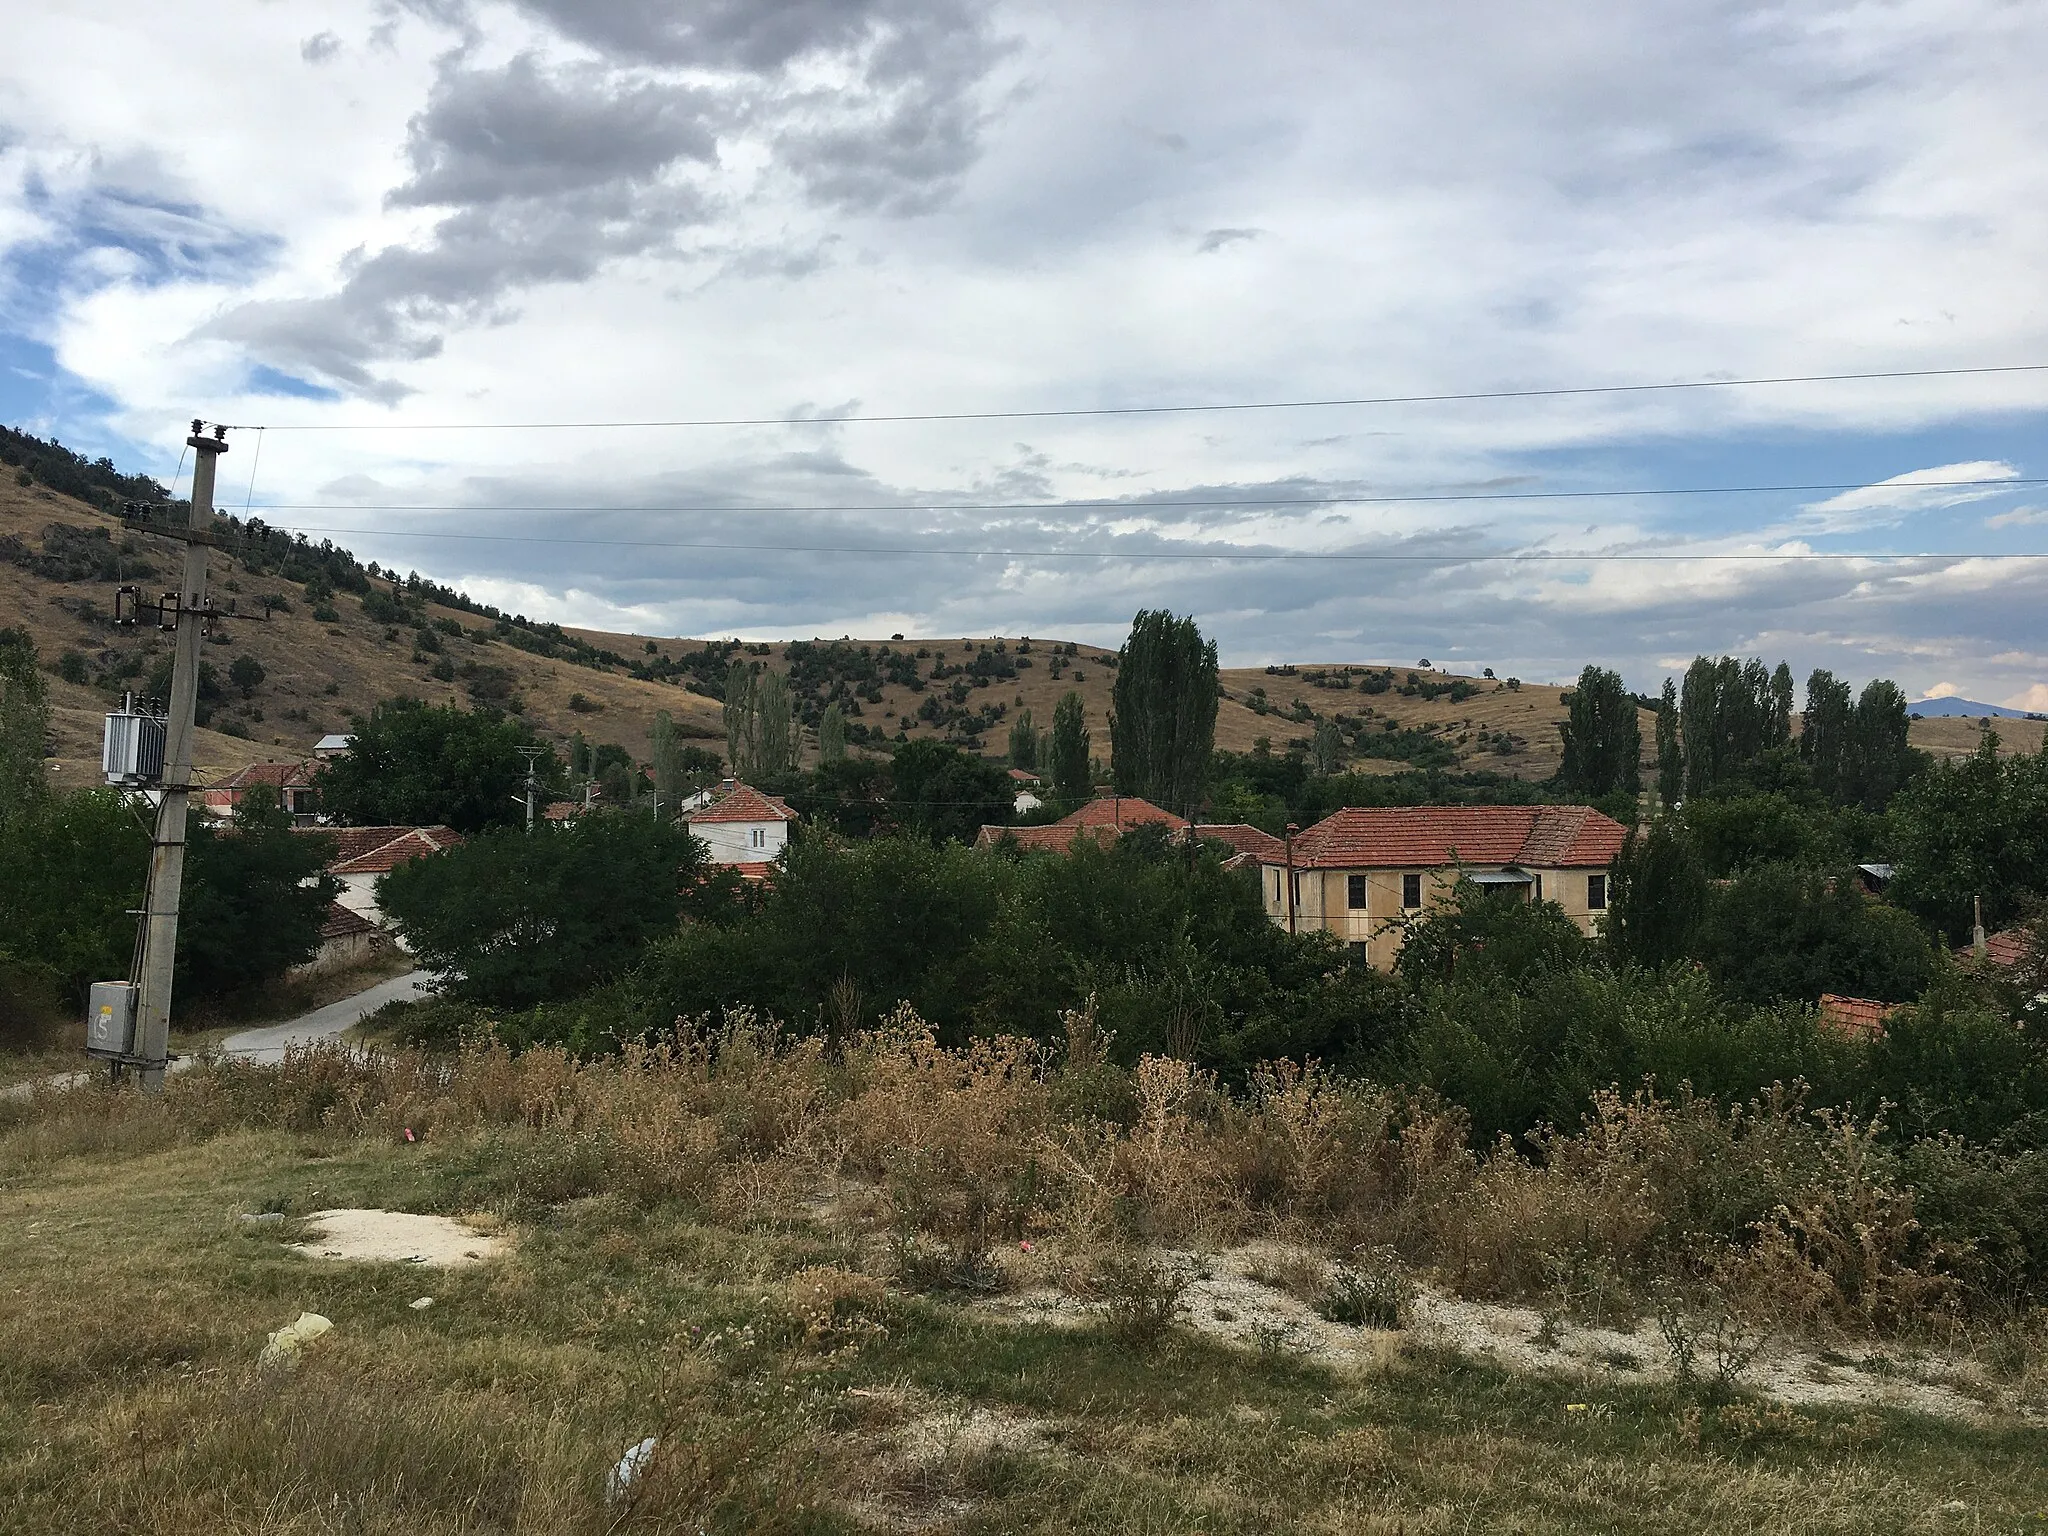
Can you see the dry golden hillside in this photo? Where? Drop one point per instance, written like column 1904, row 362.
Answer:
column 316, row 674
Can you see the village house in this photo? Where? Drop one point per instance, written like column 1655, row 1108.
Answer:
column 1026, row 784
column 361, row 854
column 1108, row 817
column 1360, row 874
column 292, row 781
column 742, row 829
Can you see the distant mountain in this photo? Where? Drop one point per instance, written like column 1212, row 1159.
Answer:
column 1935, row 709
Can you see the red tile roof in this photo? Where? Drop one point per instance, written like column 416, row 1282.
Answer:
column 1855, row 1015
column 276, row 775
column 341, row 923
column 1243, row 838
column 2004, row 950
column 363, row 852
column 1430, row 836
column 1024, row 776
column 1122, row 812
column 743, row 803
column 1103, row 819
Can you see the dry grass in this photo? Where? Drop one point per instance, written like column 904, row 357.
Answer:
column 710, row 1250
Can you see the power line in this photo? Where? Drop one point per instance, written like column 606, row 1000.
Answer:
column 1561, row 556
column 1124, row 505
column 1153, row 410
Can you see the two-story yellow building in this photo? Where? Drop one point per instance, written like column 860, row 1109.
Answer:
column 1360, row 874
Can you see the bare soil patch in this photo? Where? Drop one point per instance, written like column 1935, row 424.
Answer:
column 398, row 1237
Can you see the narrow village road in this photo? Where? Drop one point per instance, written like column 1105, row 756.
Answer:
column 270, row 1042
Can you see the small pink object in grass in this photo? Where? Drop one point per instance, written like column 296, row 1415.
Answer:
column 409, row 1135
column 1024, row 1247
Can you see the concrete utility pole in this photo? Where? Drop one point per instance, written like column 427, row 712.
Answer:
column 151, row 1051
column 532, row 782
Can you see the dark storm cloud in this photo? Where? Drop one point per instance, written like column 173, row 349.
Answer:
column 549, row 173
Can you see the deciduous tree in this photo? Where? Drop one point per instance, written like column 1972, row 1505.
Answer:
column 1163, row 727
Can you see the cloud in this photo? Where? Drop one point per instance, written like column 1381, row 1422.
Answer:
column 2033, row 700
column 1217, row 239
column 2018, row 517
column 320, row 47
column 546, row 172
column 1892, row 501
column 1944, row 691
column 545, row 175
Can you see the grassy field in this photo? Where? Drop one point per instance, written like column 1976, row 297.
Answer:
column 686, row 1265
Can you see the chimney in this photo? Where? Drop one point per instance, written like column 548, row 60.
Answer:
column 1977, row 926
column 726, row 786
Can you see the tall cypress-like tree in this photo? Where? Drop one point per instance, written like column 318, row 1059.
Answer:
column 1824, row 736
column 1603, row 740
column 1881, row 757
column 666, row 744
column 1163, row 727
column 1024, row 742
column 1781, row 706
column 742, row 743
column 832, row 735
column 1070, row 776
column 775, row 726
column 1670, row 755
column 1699, row 725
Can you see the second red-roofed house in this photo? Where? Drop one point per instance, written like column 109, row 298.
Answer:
column 742, row 827
column 1360, row 874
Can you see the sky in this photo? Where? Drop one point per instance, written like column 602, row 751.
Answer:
column 430, row 246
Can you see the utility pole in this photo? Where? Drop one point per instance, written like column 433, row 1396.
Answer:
column 150, row 1053
column 1288, row 837
column 532, row 782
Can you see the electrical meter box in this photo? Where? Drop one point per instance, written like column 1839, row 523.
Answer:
column 110, row 1018
column 132, row 751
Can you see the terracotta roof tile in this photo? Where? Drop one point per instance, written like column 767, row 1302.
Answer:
column 1430, row 836
column 1121, row 812
column 1855, row 1015
column 1241, row 837
column 276, row 775
column 2004, row 950
column 743, row 803
column 341, row 923
column 410, row 843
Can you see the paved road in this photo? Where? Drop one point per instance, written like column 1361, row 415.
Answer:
column 271, row 1042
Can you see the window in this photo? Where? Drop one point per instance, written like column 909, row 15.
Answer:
column 1354, row 892
column 1358, row 949
column 1276, row 886
column 758, row 838
column 1536, row 893
column 1411, row 892
column 1596, row 893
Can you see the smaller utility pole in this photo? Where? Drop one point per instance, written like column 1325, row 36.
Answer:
column 531, row 754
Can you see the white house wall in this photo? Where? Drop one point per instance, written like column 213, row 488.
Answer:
column 741, row 842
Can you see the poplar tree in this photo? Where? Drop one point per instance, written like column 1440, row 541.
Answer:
column 832, row 735
column 666, row 744
column 1070, row 777
column 1024, row 742
column 1163, row 723
column 1603, row 740
column 1824, row 732
column 1670, row 756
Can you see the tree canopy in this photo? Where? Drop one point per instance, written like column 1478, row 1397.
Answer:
column 515, row 918
column 1163, row 727
column 1603, row 741
column 419, row 764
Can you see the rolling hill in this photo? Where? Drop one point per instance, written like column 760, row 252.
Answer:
column 332, row 637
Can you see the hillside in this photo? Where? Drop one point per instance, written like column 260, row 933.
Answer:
column 61, row 559
column 333, row 637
